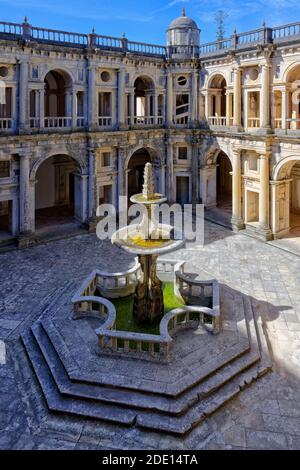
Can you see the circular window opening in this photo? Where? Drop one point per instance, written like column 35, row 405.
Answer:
column 253, row 74
column 105, row 77
column 182, row 81
column 3, row 72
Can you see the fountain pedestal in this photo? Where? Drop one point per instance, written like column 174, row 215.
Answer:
column 148, row 304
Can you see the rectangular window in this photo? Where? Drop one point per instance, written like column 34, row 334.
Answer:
column 182, row 153
column 4, row 169
column 6, row 106
column 105, row 194
column 105, row 159
column 253, row 164
column 104, row 104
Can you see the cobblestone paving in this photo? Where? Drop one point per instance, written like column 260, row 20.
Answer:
column 264, row 416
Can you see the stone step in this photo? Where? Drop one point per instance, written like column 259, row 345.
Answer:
column 59, row 403
column 106, row 379
column 179, row 425
column 136, row 399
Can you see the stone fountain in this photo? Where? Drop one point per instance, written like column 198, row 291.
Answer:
column 148, row 240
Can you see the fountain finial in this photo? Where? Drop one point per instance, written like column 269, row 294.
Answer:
column 148, row 188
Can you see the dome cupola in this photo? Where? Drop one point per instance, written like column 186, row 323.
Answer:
column 183, row 31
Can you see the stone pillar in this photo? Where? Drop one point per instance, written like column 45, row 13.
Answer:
column 237, row 100
column 284, row 108
column 14, row 114
column 92, row 115
column 114, row 108
column 195, row 171
column 155, row 108
column 121, row 98
column 208, row 185
column 121, row 172
column 265, row 98
column 170, row 99
column 227, row 109
column 81, row 197
column 26, row 204
column 194, row 100
column 42, row 107
column 170, row 171
column 23, row 96
column 132, row 103
column 91, row 184
column 74, row 109
column 207, row 105
column 236, row 219
column 264, row 197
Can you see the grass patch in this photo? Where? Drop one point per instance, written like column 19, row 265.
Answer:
column 124, row 308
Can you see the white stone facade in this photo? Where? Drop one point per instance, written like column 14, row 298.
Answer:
column 101, row 107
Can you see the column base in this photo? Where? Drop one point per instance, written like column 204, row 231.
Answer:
column 264, row 233
column 236, row 129
column 25, row 240
column 91, row 224
column 237, row 224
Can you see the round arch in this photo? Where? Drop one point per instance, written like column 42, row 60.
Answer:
column 56, row 191
column 62, row 152
column 65, row 72
column 143, row 76
column 284, row 167
column 134, row 168
column 216, row 80
column 289, row 70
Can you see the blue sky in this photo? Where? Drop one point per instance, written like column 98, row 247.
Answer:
column 147, row 20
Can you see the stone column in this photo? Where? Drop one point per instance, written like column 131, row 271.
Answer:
column 195, row 171
column 237, row 100
column 91, row 184
column 194, row 107
column 155, row 107
column 264, row 196
column 284, row 108
column 92, row 115
column 132, row 103
column 121, row 98
column 170, row 171
column 121, row 171
column 265, row 98
column 23, row 96
column 74, row 109
column 227, row 109
column 170, row 99
column 114, row 107
column 14, row 108
column 236, row 220
column 25, row 199
column 42, row 107
column 207, row 105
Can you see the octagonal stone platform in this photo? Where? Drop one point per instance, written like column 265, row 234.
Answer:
column 204, row 372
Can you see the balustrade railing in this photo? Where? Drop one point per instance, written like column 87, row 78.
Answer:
column 146, row 49
column 6, row 123
column 52, row 35
column 280, row 33
column 34, row 122
column 278, row 123
column 104, row 121
column 253, row 122
column 259, row 36
column 57, row 122
column 108, row 42
column 217, row 120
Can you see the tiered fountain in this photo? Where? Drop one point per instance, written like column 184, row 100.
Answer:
column 148, row 240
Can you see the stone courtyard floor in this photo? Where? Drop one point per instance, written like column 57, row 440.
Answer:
column 264, row 416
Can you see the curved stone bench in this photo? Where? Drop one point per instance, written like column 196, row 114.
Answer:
column 119, row 285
